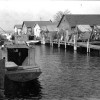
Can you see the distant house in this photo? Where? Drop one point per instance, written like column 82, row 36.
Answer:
column 69, row 23
column 27, row 27
column 50, row 30
column 18, row 29
column 33, row 27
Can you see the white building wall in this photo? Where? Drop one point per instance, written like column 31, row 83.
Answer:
column 15, row 29
column 37, row 30
column 19, row 31
column 24, row 29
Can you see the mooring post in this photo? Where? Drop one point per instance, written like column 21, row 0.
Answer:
column 43, row 40
column 50, row 41
column 75, row 43
column 88, row 48
column 2, row 78
column 65, row 43
column 58, row 43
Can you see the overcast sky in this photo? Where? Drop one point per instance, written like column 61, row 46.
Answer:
column 16, row 11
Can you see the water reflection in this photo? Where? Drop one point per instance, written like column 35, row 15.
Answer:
column 27, row 90
column 68, row 74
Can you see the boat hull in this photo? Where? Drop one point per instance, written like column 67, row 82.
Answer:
column 23, row 75
column 19, row 67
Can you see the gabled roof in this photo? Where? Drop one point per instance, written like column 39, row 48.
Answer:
column 86, row 19
column 18, row 26
column 33, row 23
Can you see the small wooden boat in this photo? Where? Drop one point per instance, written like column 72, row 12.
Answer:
column 17, row 63
column 31, row 42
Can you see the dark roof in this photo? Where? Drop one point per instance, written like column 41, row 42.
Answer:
column 18, row 26
column 77, row 19
column 33, row 23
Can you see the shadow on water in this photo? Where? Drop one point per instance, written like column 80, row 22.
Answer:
column 93, row 53
column 27, row 90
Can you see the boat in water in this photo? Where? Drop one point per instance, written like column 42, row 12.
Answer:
column 20, row 64
column 31, row 42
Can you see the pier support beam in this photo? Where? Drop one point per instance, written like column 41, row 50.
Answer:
column 75, row 43
column 2, row 77
column 88, row 47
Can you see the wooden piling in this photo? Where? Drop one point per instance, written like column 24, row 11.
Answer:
column 50, row 41
column 75, row 43
column 88, row 48
column 65, row 44
column 43, row 40
column 59, row 43
column 2, row 77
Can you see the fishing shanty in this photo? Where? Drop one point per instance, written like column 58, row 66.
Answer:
column 78, row 31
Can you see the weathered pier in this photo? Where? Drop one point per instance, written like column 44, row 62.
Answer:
column 77, row 31
column 87, row 45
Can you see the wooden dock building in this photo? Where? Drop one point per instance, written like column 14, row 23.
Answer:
column 78, row 31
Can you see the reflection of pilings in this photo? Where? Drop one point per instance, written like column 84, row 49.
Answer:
column 2, row 75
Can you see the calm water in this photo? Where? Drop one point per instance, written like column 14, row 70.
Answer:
column 66, row 75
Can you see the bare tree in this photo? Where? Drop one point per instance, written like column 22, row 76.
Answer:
column 59, row 15
column 67, row 12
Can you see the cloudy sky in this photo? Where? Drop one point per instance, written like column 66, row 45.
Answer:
column 16, row 11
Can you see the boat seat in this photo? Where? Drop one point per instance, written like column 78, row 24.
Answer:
column 11, row 66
